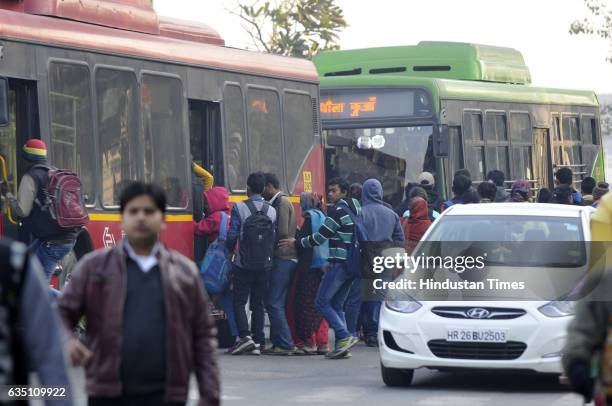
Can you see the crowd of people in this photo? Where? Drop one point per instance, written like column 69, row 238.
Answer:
column 140, row 296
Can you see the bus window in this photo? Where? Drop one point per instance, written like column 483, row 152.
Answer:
column 163, row 121
column 454, row 160
column 265, row 137
column 556, row 128
column 495, row 127
column 522, row 163
column 520, row 128
column 570, row 128
column 117, row 131
column 588, row 133
column 395, row 156
column 472, row 125
column 235, row 141
column 572, row 154
column 298, row 132
column 71, row 125
column 497, row 158
column 475, row 162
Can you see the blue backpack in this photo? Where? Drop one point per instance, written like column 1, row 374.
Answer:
column 353, row 259
column 320, row 253
column 216, row 268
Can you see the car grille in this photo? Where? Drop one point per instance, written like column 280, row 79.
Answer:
column 495, row 313
column 480, row 351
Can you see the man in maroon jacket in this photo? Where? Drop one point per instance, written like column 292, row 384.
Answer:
column 148, row 319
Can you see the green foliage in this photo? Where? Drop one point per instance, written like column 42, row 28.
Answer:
column 600, row 22
column 299, row 28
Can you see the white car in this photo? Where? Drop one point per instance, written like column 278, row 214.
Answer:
column 485, row 334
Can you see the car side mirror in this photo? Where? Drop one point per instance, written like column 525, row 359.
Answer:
column 441, row 141
column 4, row 102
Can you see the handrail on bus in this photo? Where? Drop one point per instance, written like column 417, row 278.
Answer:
column 9, row 213
column 570, row 166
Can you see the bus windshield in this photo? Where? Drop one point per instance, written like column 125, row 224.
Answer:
column 393, row 155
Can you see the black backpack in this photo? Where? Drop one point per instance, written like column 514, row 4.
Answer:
column 258, row 238
column 13, row 261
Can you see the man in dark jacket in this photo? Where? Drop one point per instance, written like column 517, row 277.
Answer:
column 148, row 317
column 381, row 225
column 51, row 243
column 498, row 177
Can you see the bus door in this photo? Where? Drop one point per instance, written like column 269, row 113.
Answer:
column 207, row 151
column 23, row 124
column 542, row 160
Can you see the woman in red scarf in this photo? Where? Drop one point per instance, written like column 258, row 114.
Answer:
column 415, row 225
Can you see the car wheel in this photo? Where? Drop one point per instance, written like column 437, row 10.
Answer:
column 396, row 377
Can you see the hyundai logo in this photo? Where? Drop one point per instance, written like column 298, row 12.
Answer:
column 478, row 313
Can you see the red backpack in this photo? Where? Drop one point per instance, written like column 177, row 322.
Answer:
column 66, row 204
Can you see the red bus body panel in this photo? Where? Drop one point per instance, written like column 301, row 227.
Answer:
column 77, row 35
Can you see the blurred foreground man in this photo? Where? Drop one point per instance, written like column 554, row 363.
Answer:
column 25, row 312
column 587, row 356
column 148, row 319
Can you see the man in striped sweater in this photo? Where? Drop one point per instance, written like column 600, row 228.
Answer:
column 338, row 228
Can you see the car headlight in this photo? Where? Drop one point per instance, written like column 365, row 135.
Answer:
column 561, row 308
column 403, row 306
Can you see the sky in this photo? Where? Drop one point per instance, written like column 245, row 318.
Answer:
column 537, row 28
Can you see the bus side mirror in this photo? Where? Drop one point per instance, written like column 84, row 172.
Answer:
column 441, row 141
column 4, row 102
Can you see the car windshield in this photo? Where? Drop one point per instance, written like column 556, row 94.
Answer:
column 546, row 241
column 394, row 155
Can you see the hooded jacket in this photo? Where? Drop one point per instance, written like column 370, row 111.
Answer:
column 417, row 224
column 380, row 222
column 218, row 201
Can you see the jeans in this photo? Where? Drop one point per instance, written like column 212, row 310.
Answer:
column 49, row 254
column 332, row 295
column 352, row 306
column 370, row 317
column 227, row 302
column 250, row 283
column 276, row 302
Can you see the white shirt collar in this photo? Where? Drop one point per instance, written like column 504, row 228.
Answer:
column 144, row 262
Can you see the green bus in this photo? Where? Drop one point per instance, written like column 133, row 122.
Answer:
column 394, row 112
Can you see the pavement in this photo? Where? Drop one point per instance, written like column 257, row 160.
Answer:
column 312, row 380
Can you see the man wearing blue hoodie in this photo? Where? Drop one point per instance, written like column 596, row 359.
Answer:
column 382, row 225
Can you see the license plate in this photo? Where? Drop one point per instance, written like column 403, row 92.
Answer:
column 476, row 335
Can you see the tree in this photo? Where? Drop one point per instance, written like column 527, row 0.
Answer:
column 599, row 24
column 606, row 119
column 299, row 28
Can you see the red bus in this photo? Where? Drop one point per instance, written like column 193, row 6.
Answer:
column 119, row 93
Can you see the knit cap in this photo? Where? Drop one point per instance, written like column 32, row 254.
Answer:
column 35, row 150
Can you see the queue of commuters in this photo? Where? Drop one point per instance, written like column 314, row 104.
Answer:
column 147, row 312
